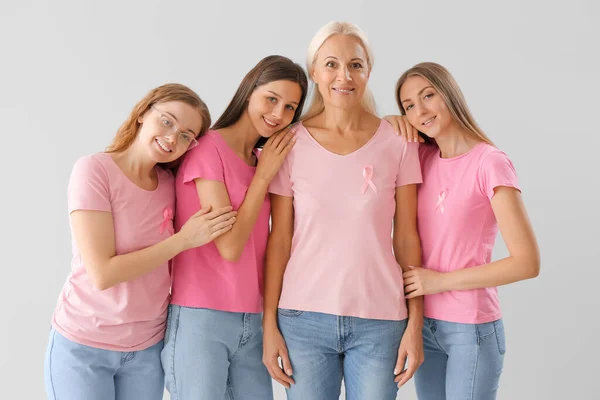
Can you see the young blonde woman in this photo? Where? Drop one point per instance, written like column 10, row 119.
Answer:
column 334, row 300
column 469, row 190
column 109, row 323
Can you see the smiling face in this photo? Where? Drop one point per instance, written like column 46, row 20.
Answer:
column 425, row 108
column 168, row 130
column 272, row 106
column 341, row 71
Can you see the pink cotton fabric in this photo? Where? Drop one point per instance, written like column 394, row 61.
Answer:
column 458, row 227
column 130, row 316
column 201, row 277
column 342, row 259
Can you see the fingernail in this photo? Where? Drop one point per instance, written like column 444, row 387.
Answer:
column 396, row 371
column 289, row 372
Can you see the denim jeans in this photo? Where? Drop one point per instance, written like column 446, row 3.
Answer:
column 462, row 361
column 73, row 371
column 212, row 354
column 325, row 348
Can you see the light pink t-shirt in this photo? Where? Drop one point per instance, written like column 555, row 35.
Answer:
column 201, row 277
column 130, row 316
column 458, row 227
column 342, row 259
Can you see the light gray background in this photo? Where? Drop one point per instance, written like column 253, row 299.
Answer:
column 72, row 70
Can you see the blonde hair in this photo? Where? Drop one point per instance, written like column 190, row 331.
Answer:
column 316, row 104
column 445, row 84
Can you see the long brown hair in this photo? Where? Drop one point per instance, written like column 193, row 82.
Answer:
column 128, row 131
column 269, row 69
column 445, row 84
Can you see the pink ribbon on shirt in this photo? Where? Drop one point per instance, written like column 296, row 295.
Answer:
column 368, row 175
column 167, row 217
column 441, row 197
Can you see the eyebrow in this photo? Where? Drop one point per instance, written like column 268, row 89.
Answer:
column 278, row 96
column 176, row 120
column 355, row 58
column 418, row 94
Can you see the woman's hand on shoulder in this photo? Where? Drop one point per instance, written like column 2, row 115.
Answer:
column 274, row 153
column 403, row 128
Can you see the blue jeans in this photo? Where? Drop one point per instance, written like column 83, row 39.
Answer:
column 462, row 361
column 73, row 371
column 325, row 348
column 212, row 354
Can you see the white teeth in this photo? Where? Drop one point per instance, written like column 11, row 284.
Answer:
column 163, row 146
column 343, row 90
column 269, row 122
column 428, row 121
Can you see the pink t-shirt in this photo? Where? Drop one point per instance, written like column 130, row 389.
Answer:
column 342, row 259
column 458, row 227
column 201, row 277
column 130, row 316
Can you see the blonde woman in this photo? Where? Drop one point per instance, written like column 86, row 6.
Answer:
column 334, row 300
column 469, row 189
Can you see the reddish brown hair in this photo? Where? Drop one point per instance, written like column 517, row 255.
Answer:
column 127, row 133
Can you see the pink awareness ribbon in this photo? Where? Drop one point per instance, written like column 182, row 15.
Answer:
column 167, row 217
column 368, row 175
column 441, row 197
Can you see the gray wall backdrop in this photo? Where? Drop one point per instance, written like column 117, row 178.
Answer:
column 72, row 70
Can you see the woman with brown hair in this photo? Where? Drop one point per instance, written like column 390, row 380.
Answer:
column 109, row 323
column 469, row 190
column 213, row 348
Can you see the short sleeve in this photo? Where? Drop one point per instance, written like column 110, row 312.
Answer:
column 282, row 183
column 88, row 186
column 409, row 171
column 497, row 170
column 203, row 161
